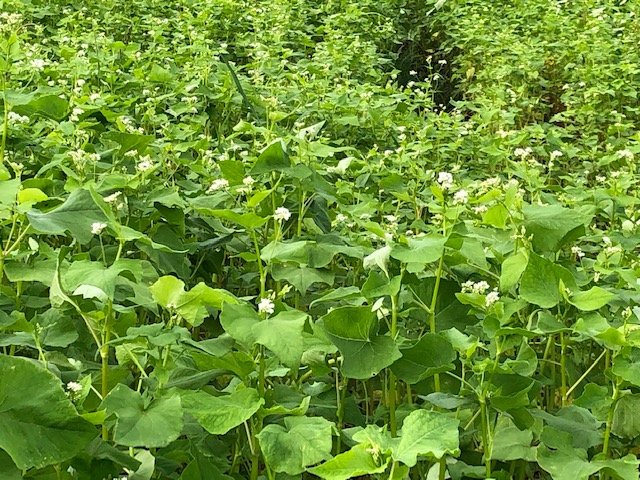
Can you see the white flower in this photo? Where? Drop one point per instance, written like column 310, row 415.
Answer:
column 480, row 209
column 266, row 306
column 556, row 154
column 522, row 152
column 94, row 96
column 341, row 218
column 461, row 197
column 607, row 241
column 481, row 287
column 413, row 72
column 442, row 62
column 445, row 179
column 577, row 251
column 492, row 297
column 74, row 387
column 625, row 154
column 628, row 226
column 16, row 118
column 75, row 114
column 282, row 214
column 219, row 184
column 145, row 164
column 113, row 197
column 38, row 64
column 248, row 181
column 97, row 228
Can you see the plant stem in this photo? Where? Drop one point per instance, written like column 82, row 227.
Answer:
column 584, row 375
column 5, row 125
column 263, row 279
column 485, row 437
column 392, row 378
column 612, row 407
column 563, row 369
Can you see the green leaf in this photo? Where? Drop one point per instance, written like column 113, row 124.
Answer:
column 282, row 334
column 352, row 463
column 238, row 321
column 379, row 258
column 627, row 365
column 129, row 141
column 272, row 158
column 553, row 226
column 512, row 269
column 430, row 355
column 218, row 415
column 39, row 425
column 201, row 468
column 49, row 106
column 557, row 456
column 192, row 305
column 511, row 443
column 354, row 331
column 626, row 421
column 248, row 220
column 303, row 441
column 592, row 299
column 76, row 215
column 378, row 285
column 578, row 422
column 8, row 468
column 540, row 283
column 421, row 250
column 140, row 423
column 302, row 277
column 426, row 433
column 167, row 291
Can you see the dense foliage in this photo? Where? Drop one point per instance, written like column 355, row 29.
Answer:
column 292, row 239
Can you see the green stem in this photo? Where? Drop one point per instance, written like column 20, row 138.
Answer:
column 261, row 370
column 432, row 313
column 607, row 432
column 263, row 279
column 584, row 375
column 392, row 377
column 5, row 125
column 485, row 437
column 563, row 369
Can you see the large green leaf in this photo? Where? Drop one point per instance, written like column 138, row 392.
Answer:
column 557, row 456
column 274, row 157
column 238, row 321
column 592, row 299
column 218, row 415
column 169, row 292
column 354, row 330
column 540, row 282
column 302, row 277
column 282, row 334
column 202, row 468
column 420, row 251
column 141, row 423
column 553, row 226
column 430, row 355
column 627, row 365
column 76, row 216
column 39, row 425
column 129, row 141
column 578, row 422
column 360, row 460
column 426, row 433
column 303, row 441
column 626, row 421
column 511, row 443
